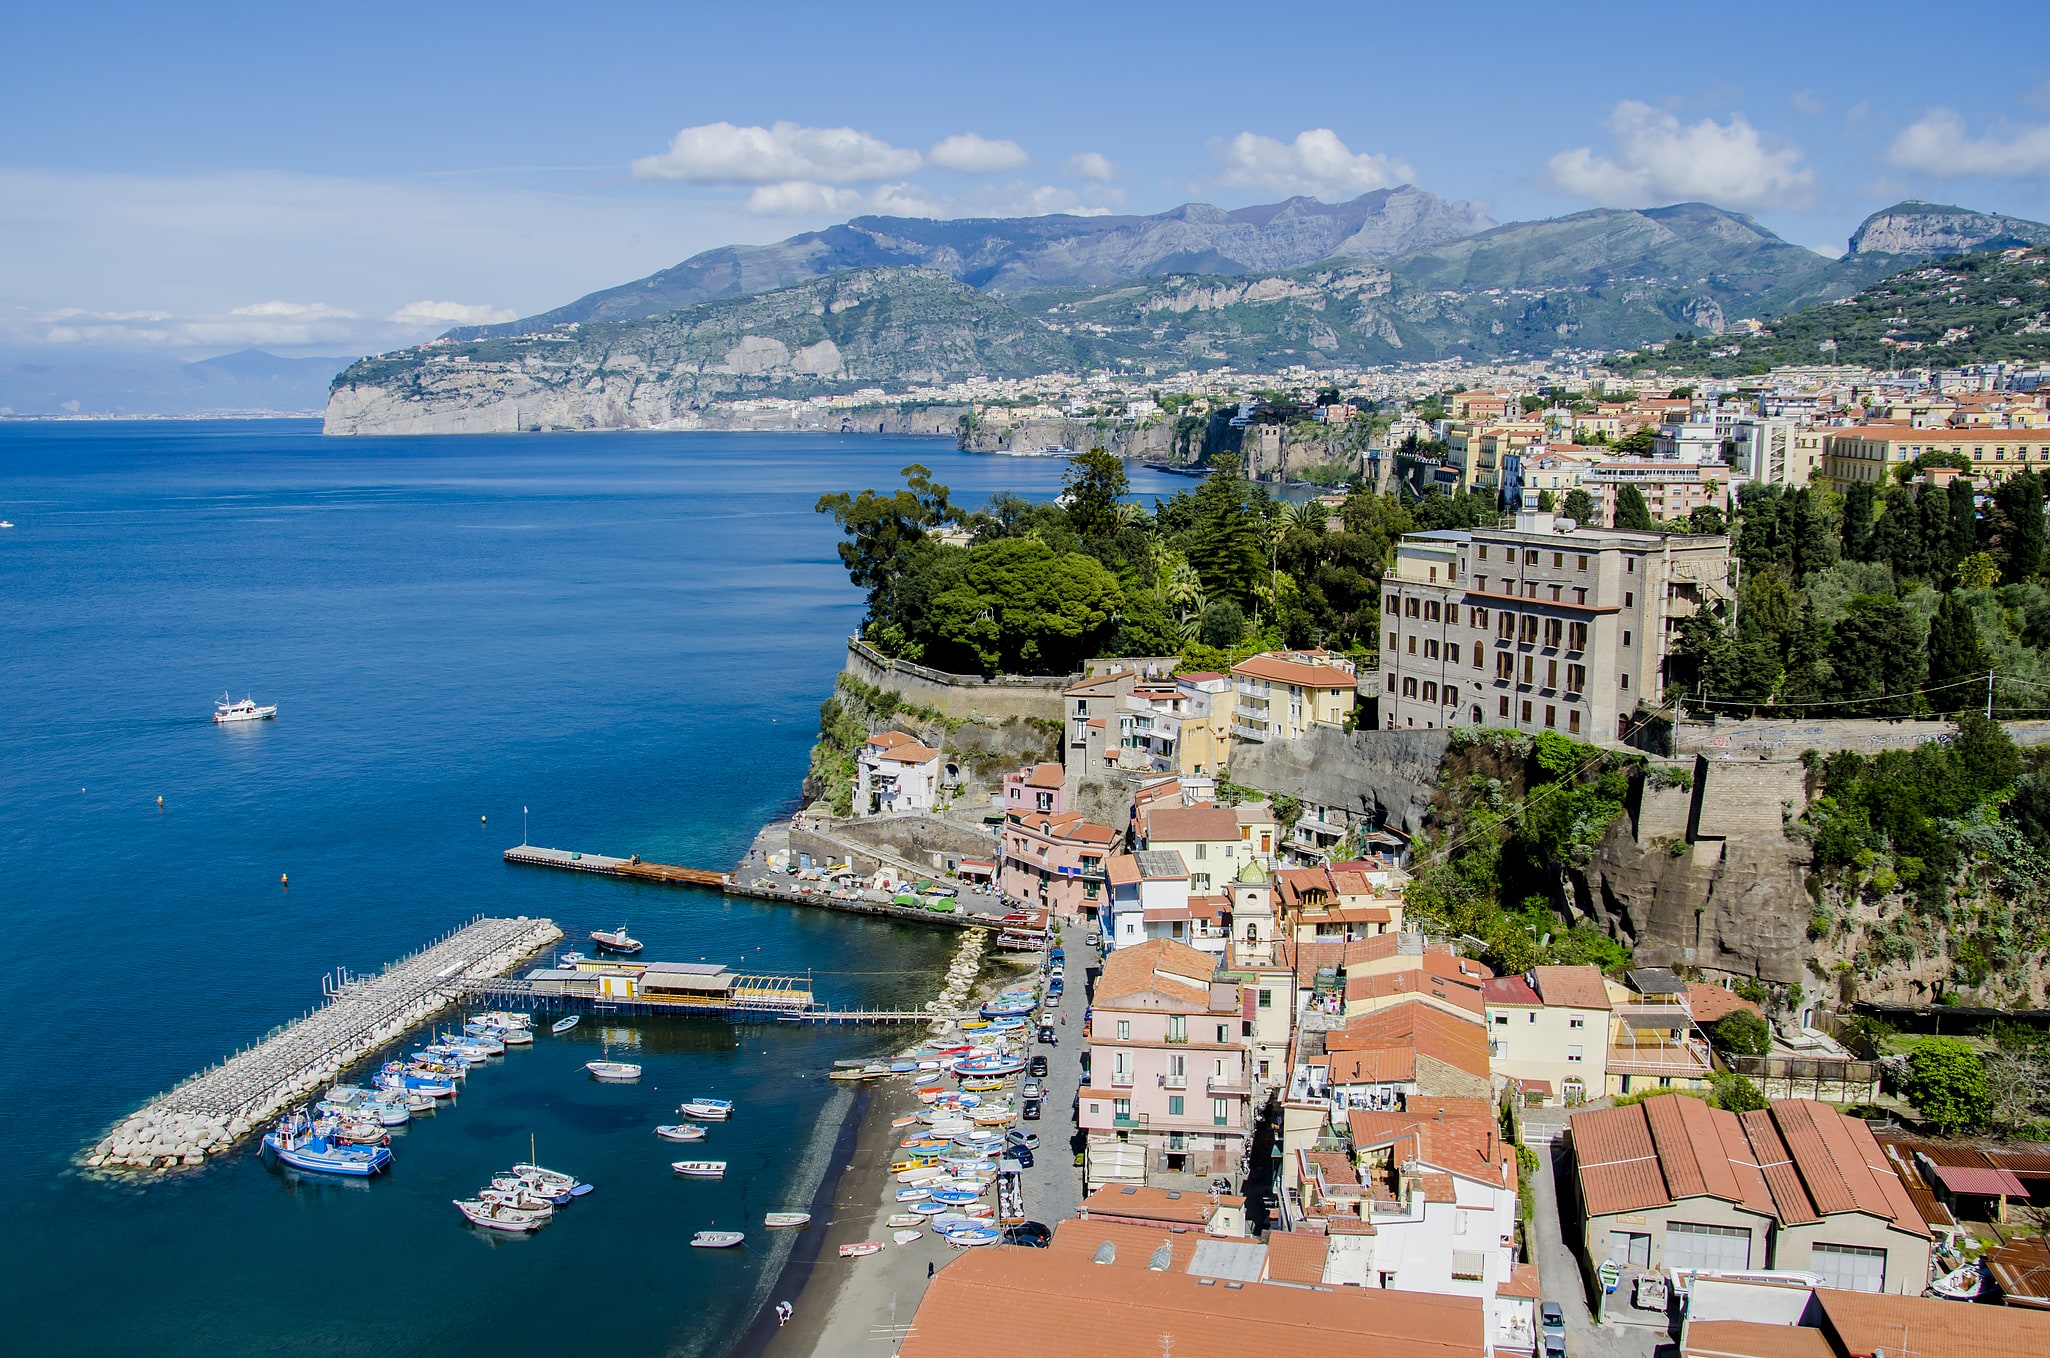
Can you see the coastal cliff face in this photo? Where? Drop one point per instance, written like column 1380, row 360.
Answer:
column 1926, row 230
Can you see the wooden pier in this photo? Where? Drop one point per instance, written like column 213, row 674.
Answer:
column 212, row 1110
column 607, row 866
column 520, row 993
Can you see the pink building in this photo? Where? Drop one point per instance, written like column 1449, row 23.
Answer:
column 1053, row 861
column 1036, row 789
column 1169, row 1092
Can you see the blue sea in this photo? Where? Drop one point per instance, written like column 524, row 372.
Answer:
column 628, row 636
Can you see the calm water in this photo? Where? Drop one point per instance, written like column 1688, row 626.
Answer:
column 629, row 634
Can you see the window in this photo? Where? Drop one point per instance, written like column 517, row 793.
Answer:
column 1526, row 709
column 1576, row 636
column 1430, row 693
column 1576, row 1021
column 1625, row 681
column 1573, row 721
column 1266, row 999
column 1451, row 695
column 1223, row 1033
column 1530, row 1017
column 1177, row 1028
column 1576, row 678
column 1579, row 595
column 1551, row 674
column 1431, row 611
column 1631, row 565
column 1452, row 652
column 1555, row 594
column 1124, row 1030
column 1480, row 582
column 1409, row 688
column 1502, row 706
column 1583, row 563
column 1201, row 850
column 1391, row 641
column 1469, row 1265
column 1501, row 1020
column 1554, row 631
column 1479, row 655
column 1854, row 1268
column 1412, row 643
column 1484, row 553
column 1626, row 638
column 1220, row 1112
column 1174, row 1105
column 1528, row 663
column 1409, row 606
column 1551, row 715
column 1573, row 1052
column 1629, row 598
column 1558, row 560
column 1122, row 1107
column 1529, row 557
column 1394, row 604
column 1507, row 628
column 1430, row 650
column 1505, row 665
column 1480, row 618
column 1527, row 629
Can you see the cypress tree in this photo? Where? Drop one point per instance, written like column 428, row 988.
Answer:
column 2020, row 550
column 1955, row 656
column 1806, row 527
column 1632, row 513
column 1859, row 502
column 1932, row 514
column 1964, row 521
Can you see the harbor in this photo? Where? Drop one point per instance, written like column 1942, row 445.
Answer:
column 209, row 1113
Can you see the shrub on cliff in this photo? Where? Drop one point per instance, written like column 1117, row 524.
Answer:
column 1946, row 1082
column 1742, row 1032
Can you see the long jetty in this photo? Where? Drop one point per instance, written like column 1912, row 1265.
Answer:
column 211, row 1111
column 635, row 868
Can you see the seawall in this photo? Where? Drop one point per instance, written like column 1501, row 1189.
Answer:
column 960, row 696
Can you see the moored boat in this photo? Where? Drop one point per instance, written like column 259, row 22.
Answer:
column 780, row 1220
column 617, row 1072
column 717, row 1110
column 499, row 1217
column 563, row 1025
column 699, row 1169
column 716, row 1240
column 296, row 1141
column 905, row 1237
column 616, row 940
column 682, row 1131
column 902, row 1219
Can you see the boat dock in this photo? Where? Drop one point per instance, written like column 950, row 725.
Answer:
column 682, row 989
column 607, row 866
column 212, row 1110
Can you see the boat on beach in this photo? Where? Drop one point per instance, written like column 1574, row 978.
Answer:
column 616, row 1072
column 860, row 1248
column 683, row 1131
column 699, row 1169
column 563, row 1025
column 716, row 1240
column 1960, row 1284
column 903, row 1219
column 784, row 1220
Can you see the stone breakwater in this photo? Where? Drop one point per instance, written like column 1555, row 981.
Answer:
column 208, row 1113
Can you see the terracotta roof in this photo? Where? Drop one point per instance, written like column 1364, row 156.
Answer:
column 1134, row 1244
column 1436, row 1187
column 1279, row 671
column 1924, row 1327
column 1987, row 1183
column 1711, row 1002
column 1044, row 775
column 1012, row 1302
column 1337, row 1166
column 1121, row 870
column 888, row 740
column 910, row 754
column 1062, row 825
column 1572, row 987
column 1376, row 1065
column 1155, row 1204
column 1782, row 1180
column 1187, row 824
column 1617, row 1162
column 1753, row 1339
column 1102, row 686
column 1423, row 1028
column 1413, row 983
column 1522, row 1282
column 1470, row 1147
column 1137, row 970
column 1296, row 1258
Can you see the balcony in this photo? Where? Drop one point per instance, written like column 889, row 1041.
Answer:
column 1229, row 1084
column 1174, row 1082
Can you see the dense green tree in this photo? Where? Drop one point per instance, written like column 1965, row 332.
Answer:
column 2029, row 809
column 2019, row 543
column 1707, row 519
column 1811, row 535
column 1637, row 443
column 1147, row 626
column 1860, row 500
column 1932, row 513
column 1876, row 654
column 1225, row 543
column 1897, row 536
column 1223, row 625
column 1632, row 514
column 1734, row 1093
column 1021, row 607
column 880, row 528
column 1962, row 539
column 1808, row 676
column 1946, row 1081
column 1579, row 506
column 1743, row 1032
column 1956, row 659
column 1546, row 503
column 1093, row 487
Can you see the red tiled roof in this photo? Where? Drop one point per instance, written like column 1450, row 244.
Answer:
column 1279, row 671
column 1189, row 824
column 1012, row 1302
column 1154, row 1204
column 1296, row 1258
column 1925, row 1327
column 1522, row 1282
column 1511, row 991
column 1753, row 1339
column 1618, row 1164
column 1572, row 987
column 1711, row 1002
column 1424, row 1028
column 1412, row 983
column 1133, row 971
column 1045, row 775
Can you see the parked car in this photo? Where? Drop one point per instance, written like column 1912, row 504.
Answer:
column 1034, row 1234
column 1220, row 1184
column 1029, row 1140
column 1057, row 956
column 1032, row 1110
column 1552, row 1325
column 1022, row 1155
column 1095, row 939
column 1048, row 1036
column 1036, row 1067
column 1033, row 1090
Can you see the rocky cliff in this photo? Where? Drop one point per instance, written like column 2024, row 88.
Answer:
column 1927, row 230
column 1386, row 777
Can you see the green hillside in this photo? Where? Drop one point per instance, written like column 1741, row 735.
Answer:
column 1978, row 308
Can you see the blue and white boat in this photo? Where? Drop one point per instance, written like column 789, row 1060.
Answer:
column 973, row 1236
column 717, row 1110
column 989, row 1066
column 1008, row 1008
column 357, row 1102
column 954, row 1197
column 297, row 1142
column 396, row 1076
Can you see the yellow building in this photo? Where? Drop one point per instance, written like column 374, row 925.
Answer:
column 1281, row 694
column 1870, row 452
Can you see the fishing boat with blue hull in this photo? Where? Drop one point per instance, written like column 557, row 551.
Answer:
column 300, row 1143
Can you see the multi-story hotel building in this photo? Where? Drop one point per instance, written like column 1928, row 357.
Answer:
column 1870, row 452
column 1543, row 626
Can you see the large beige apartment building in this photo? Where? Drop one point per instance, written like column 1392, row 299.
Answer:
column 1870, row 452
column 1543, row 626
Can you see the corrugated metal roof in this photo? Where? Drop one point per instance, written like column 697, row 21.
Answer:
column 1241, row 1260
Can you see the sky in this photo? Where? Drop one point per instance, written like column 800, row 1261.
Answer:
column 189, row 180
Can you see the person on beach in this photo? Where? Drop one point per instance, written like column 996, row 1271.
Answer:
column 783, row 1313
column 928, row 1269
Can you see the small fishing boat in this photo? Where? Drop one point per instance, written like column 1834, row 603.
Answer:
column 913, row 1194
column 572, row 959
column 389, row 1110
column 973, row 1236
column 506, row 1018
column 955, row 1197
column 616, row 940
column 699, row 1169
column 520, row 1196
column 681, row 1131
column 553, row 1180
column 905, row 1237
column 563, row 1025
column 860, row 1248
column 531, row 1188
column 499, row 1217
column 902, row 1219
column 984, row 1085
column 618, row 1072
column 298, row 1142
column 227, row 710
column 903, row 1122
column 718, row 1110
column 781, row 1220
column 716, row 1240
column 929, row 1208
column 516, row 1037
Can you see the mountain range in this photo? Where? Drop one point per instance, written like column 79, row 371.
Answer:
column 948, row 300
column 246, row 382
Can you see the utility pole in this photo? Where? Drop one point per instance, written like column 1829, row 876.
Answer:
column 1989, row 695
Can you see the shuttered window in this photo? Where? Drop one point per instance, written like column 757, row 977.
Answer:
column 1854, row 1268
column 1692, row 1245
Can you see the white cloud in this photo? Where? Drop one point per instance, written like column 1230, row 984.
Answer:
column 1805, row 101
column 1092, row 165
column 70, row 313
column 1656, row 160
column 273, row 323
column 450, row 313
column 720, row 153
column 298, row 311
column 1939, row 145
column 971, row 154
column 1316, row 164
column 804, row 198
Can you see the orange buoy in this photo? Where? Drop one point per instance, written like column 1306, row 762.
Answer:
column 284, row 880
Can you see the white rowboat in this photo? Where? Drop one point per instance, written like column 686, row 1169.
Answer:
column 784, row 1219
column 699, row 1169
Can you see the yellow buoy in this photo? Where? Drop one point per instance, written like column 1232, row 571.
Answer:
column 283, row 880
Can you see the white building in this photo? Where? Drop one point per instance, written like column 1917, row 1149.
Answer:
column 1146, row 886
column 895, row 775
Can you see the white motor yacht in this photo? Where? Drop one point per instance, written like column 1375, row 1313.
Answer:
column 227, row 710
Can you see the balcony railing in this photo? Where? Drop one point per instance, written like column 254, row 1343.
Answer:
column 1229, row 1084
column 1174, row 1082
